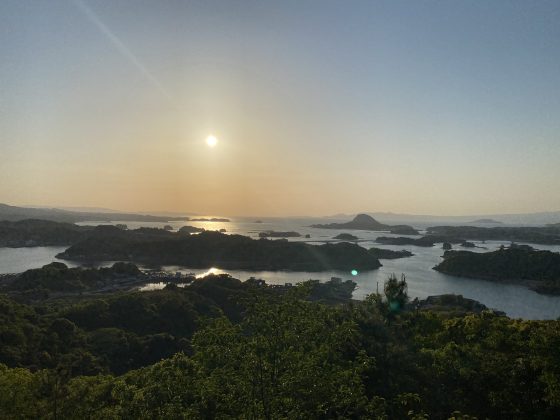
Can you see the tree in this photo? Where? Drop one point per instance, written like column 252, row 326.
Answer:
column 396, row 292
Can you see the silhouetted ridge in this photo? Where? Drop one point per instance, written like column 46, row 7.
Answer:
column 366, row 222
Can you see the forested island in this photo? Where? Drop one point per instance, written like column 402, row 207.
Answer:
column 225, row 348
column 425, row 241
column 346, row 237
column 389, row 254
column 366, row 222
column 214, row 249
column 539, row 270
column 549, row 235
column 275, row 234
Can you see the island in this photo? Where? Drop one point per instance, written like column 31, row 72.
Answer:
column 403, row 230
column 346, row 237
column 190, row 229
column 366, row 222
column 215, row 249
column 389, row 254
column 539, row 235
column 425, row 241
column 274, row 234
column 538, row 270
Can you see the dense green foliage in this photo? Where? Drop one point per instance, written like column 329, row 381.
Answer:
column 396, row 292
column 225, row 349
column 214, row 249
column 540, row 269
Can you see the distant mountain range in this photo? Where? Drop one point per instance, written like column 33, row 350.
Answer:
column 486, row 222
column 93, row 214
column 14, row 213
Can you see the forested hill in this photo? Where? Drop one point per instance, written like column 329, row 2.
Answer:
column 32, row 232
column 225, row 349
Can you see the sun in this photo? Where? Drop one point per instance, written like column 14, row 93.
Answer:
column 211, row 141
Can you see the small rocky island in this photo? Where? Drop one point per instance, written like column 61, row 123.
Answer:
column 275, row 234
column 346, row 237
column 538, row 270
column 190, row 229
column 366, row 222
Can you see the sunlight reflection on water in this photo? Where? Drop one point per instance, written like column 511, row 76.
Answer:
column 423, row 281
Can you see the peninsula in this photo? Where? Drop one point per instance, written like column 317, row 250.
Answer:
column 30, row 233
column 15, row 213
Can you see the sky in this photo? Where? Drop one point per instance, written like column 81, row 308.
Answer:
column 319, row 107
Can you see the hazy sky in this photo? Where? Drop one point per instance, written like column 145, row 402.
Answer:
column 319, row 107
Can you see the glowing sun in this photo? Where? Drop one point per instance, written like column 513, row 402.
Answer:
column 211, row 141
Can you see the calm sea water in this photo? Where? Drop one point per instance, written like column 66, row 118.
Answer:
column 516, row 301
